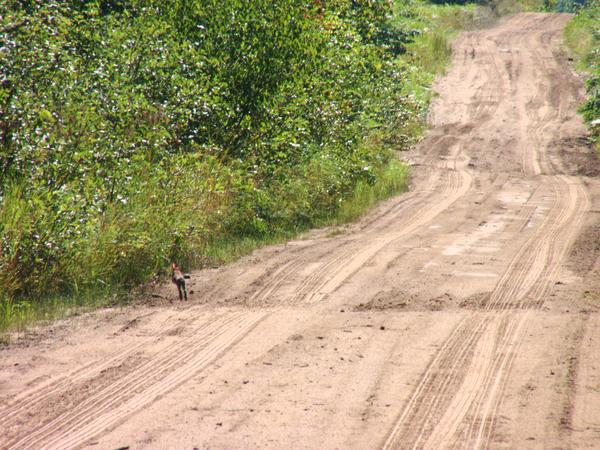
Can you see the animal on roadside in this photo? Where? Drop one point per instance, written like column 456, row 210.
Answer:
column 178, row 279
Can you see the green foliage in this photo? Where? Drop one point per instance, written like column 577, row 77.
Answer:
column 582, row 36
column 14, row 313
column 433, row 26
column 566, row 6
column 136, row 133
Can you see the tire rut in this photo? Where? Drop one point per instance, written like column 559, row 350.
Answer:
column 477, row 380
column 456, row 402
column 106, row 405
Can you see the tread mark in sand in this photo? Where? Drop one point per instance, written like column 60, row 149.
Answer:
column 105, row 407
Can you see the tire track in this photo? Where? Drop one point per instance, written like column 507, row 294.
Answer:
column 456, row 402
column 48, row 393
column 328, row 278
column 104, row 407
column 459, row 184
column 338, row 263
column 37, row 394
column 478, row 381
column 485, row 414
column 175, row 354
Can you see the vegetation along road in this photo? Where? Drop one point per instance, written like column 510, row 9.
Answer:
column 461, row 314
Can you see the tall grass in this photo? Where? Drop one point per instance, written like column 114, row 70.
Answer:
column 18, row 316
column 432, row 51
column 392, row 180
column 581, row 42
column 434, row 27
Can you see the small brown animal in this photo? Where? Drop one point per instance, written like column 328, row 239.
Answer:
column 179, row 280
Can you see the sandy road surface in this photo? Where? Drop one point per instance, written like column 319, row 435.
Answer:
column 461, row 314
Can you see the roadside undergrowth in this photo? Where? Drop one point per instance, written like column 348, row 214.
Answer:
column 582, row 38
column 129, row 139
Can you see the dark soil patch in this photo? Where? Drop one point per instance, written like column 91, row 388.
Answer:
column 579, row 157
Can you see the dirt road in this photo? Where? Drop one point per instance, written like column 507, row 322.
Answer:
column 462, row 314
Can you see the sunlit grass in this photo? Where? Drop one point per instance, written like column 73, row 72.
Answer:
column 393, row 180
column 18, row 316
